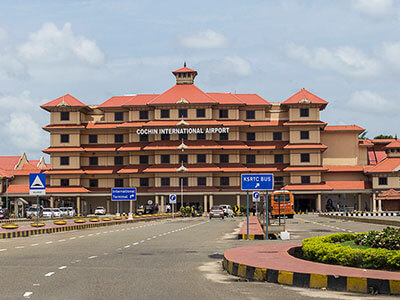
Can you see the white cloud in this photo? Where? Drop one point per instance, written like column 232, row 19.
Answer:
column 208, row 39
column 391, row 53
column 235, row 65
column 370, row 102
column 52, row 45
column 344, row 60
column 375, row 9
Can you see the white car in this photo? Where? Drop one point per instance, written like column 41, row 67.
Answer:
column 64, row 212
column 48, row 213
column 228, row 211
column 71, row 212
column 57, row 212
column 100, row 210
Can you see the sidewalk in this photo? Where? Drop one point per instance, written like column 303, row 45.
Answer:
column 273, row 263
column 255, row 230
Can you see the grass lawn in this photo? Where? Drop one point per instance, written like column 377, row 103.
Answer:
column 352, row 245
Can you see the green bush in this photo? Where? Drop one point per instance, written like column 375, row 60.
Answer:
column 188, row 211
column 183, row 211
column 200, row 210
column 388, row 238
column 326, row 249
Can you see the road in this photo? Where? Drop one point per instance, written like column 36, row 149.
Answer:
column 165, row 259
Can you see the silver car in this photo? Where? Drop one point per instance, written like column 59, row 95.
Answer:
column 48, row 213
column 56, row 212
column 216, row 212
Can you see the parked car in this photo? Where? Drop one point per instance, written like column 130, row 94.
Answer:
column 4, row 213
column 56, row 212
column 216, row 211
column 71, row 211
column 48, row 213
column 228, row 211
column 31, row 212
column 64, row 211
column 100, row 210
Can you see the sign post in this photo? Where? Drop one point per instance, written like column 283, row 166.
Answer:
column 123, row 194
column 172, row 200
column 256, row 200
column 37, row 186
column 256, row 182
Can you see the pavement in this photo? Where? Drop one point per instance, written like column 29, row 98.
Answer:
column 255, row 230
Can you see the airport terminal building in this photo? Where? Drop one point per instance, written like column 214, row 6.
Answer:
column 197, row 144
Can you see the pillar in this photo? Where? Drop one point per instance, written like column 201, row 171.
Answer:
column 205, row 205
column 373, row 202
column 78, row 205
column 108, row 206
column 319, row 203
column 359, row 203
column 211, row 201
column 238, row 200
column 51, row 202
column 379, row 205
column 16, row 208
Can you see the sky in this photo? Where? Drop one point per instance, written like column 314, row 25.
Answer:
column 345, row 51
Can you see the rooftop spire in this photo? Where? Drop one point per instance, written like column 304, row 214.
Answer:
column 184, row 75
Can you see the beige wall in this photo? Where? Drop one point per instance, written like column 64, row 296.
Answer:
column 392, row 179
column 74, row 118
column 342, row 148
column 74, row 139
column 74, row 161
column 295, row 177
column 294, row 114
column 344, row 176
column 295, row 158
column 55, row 180
column 314, row 135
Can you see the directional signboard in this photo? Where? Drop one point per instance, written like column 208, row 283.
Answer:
column 256, row 196
column 257, row 181
column 37, row 184
column 123, row 194
column 172, row 198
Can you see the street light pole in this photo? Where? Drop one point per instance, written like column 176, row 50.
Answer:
column 6, row 192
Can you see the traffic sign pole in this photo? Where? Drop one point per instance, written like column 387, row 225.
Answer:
column 266, row 215
column 247, row 212
column 37, row 211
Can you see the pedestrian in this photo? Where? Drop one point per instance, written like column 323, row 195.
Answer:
column 168, row 208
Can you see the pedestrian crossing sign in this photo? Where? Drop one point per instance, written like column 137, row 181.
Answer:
column 37, row 184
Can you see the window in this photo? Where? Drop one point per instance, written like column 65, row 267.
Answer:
column 383, row 181
column 93, row 161
column 278, row 181
column 201, row 158
column 251, row 136
column 118, row 138
column 64, row 138
column 118, row 116
column 250, row 159
column 118, row 182
column 305, row 179
column 144, row 138
column 223, row 136
column 143, row 114
column 144, row 159
column 165, row 158
column 278, row 158
column 250, row 114
column 200, row 113
column 118, row 160
column 165, row 113
column 183, row 158
column 304, row 135
column 277, row 136
column 223, row 113
column 304, row 112
column 183, row 180
column 93, row 182
column 305, row 157
column 182, row 113
column 165, row 137
column 224, row 158
column 201, row 136
column 64, row 182
column 224, row 180
column 144, row 181
column 64, row 160
column 201, row 181
column 93, row 138
column 183, row 136
column 64, row 116
column 164, row 181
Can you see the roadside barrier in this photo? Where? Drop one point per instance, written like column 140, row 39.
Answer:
column 9, row 226
column 40, row 224
column 361, row 214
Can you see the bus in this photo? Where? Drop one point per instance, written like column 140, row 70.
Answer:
column 281, row 203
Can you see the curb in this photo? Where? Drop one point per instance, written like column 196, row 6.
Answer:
column 27, row 233
column 251, row 236
column 317, row 281
column 364, row 220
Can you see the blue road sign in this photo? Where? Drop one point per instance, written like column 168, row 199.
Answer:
column 172, row 198
column 37, row 184
column 123, row 194
column 257, row 181
column 256, row 196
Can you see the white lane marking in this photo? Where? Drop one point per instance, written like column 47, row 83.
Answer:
column 78, row 260
column 62, row 240
column 122, row 229
column 2, row 250
column 28, row 294
column 343, row 229
column 49, row 242
column 81, row 236
column 62, row 267
column 117, row 230
column 154, row 237
column 49, row 274
column 19, row 247
column 91, row 257
column 160, row 235
column 142, row 241
column 148, row 239
column 105, row 253
column 134, row 244
column 111, row 230
column 127, row 246
column 72, row 238
column 36, row 284
column 98, row 233
column 90, row 234
column 33, row 245
column 105, row 232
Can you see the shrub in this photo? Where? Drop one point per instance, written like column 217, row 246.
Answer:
column 200, row 210
column 187, row 211
column 326, row 249
column 389, row 238
column 183, row 212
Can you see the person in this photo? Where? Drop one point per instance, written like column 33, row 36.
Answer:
column 168, row 208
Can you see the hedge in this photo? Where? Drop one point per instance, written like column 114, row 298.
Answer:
column 326, row 249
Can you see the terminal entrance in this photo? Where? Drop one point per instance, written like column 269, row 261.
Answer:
column 304, row 203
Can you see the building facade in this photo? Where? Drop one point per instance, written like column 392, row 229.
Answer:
column 197, row 144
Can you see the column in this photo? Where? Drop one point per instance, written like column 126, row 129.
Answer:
column 359, row 203
column 130, row 216
column 51, row 202
column 78, row 205
column 108, row 206
column 319, row 203
column 16, row 208
column 211, row 201
column 379, row 205
column 373, row 202
column 205, row 205
column 238, row 200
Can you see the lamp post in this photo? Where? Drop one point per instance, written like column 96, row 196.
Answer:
column 7, row 192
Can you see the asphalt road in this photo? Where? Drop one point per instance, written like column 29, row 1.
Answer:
column 166, row 259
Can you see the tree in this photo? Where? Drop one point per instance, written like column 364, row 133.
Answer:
column 382, row 136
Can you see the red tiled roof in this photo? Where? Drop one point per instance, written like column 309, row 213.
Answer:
column 226, row 98
column 116, row 101
column 304, row 123
column 63, row 149
column 266, row 168
column 18, row 189
column 101, row 170
column 232, row 167
column 100, row 147
column 388, row 165
column 376, row 157
column 67, row 189
column 66, row 100
column 252, row 99
column 162, row 145
column 65, row 171
column 202, row 168
column 305, row 169
column 133, row 146
column 234, row 123
column 394, row 144
column 389, row 195
column 131, row 125
column 330, row 186
column 102, row 125
column 50, row 127
column 184, row 70
column 233, row 145
column 188, row 92
column 344, row 128
column 277, row 145
column 8, row 162
column 365, row 143
column 140, row 100
column 272, row 123
column 162, row 168
column 305, row 146
column 27, row 169
column 345, row 168
column 307, row 187
column 382, row 141
column 132, row 169
column 304, row 94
